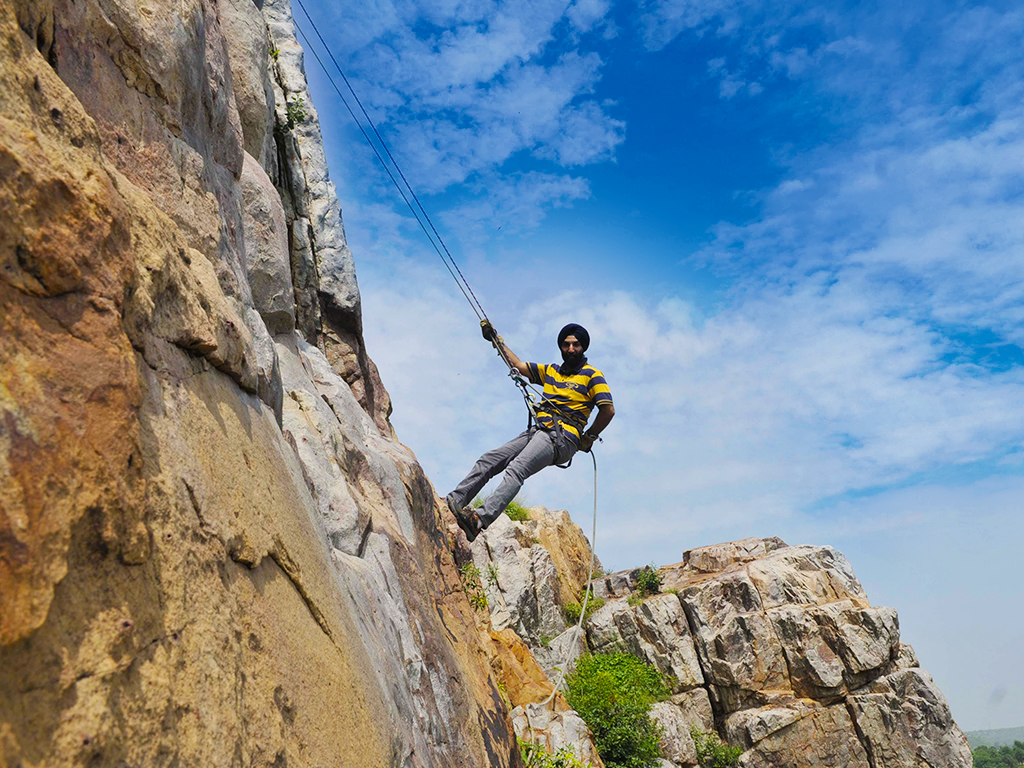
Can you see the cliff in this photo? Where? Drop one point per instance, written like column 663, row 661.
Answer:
column 213, row 551
column 213, row 548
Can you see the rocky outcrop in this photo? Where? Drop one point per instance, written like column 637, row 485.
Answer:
column 330, row 314
column 774, row 647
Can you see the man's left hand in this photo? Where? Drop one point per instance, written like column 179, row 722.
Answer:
column 587, row 442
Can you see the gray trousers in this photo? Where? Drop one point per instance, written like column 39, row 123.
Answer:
column 524, row 455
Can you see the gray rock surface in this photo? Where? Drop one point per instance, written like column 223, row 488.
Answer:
column 248, row 48
column 268, row 370
column 268, row 261
column 339, row 292
column 305, row 280
column 736, row 643
column 525, row 594
column 561, row 653
column 555, row 730
column 656, row 631
column 905, row 720
column 806, row 736
column 676, row 743
column 618, row 584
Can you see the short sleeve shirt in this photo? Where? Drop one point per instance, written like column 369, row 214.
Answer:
column 577, row 393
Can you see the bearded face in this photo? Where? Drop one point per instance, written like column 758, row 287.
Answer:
column 572, row 352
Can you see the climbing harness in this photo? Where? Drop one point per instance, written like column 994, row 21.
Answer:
column 557, row 413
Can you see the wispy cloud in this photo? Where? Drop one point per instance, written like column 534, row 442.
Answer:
column 514, row 206
column 490, row 92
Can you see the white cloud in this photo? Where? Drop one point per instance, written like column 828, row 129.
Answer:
column 661, row 21
column 462, row 95
column 514, row 205
column 586, row 14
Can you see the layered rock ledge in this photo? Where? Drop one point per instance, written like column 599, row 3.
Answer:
column 775, row 647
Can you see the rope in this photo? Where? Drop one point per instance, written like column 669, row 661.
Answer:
column 446, row 256
column 452, row 266
column 586, row 597
column 418, row 211
column 392, row 158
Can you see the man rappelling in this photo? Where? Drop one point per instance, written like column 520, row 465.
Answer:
column 571, row 391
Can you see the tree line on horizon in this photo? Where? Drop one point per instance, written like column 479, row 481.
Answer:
column 999, row 757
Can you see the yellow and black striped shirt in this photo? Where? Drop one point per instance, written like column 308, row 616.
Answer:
column 576, row 394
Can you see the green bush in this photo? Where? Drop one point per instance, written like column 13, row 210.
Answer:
column 572, row 610
column 648, row 582
column 534, row 756
column 613, row 693
column 473, row 588
column 712, row 752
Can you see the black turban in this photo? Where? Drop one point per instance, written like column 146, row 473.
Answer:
column 573, row 329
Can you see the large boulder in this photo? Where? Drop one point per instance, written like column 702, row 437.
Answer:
column 833, row 648
column 737, row 645
column 803, row 735
column 905, row 721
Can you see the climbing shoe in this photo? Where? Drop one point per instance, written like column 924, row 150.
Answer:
column 468, row 522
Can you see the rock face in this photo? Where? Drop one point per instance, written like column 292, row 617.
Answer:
column 213, row 549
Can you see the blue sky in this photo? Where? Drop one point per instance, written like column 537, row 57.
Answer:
column 796, row 234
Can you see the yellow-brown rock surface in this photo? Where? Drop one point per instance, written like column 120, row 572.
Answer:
column 169, row 590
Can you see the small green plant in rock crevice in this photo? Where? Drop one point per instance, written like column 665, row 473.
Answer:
column 613, row 693
column 712, row 752
column 492, row 575
column 534, row 756
column 296, row 111
column 571, row 611
column 473, row 588
column 648, row 582
column 516, row 511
